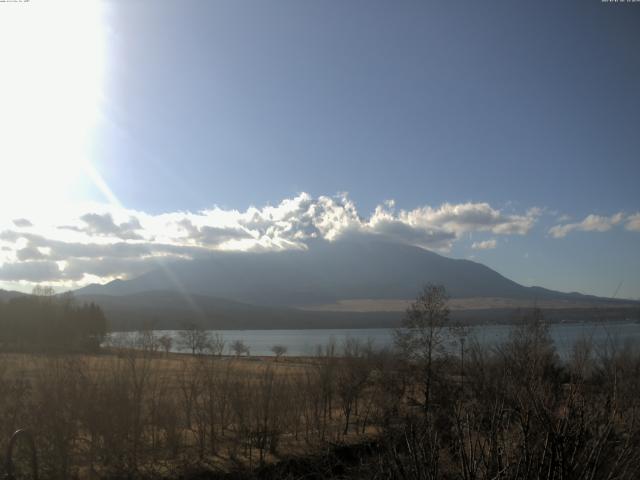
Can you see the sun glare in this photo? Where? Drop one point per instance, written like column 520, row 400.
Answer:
column 50, row 92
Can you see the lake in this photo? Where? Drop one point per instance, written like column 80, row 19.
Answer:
column 305, row 342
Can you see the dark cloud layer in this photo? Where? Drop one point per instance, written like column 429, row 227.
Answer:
column 32, row 271
column 212, row 236
column 104, row 225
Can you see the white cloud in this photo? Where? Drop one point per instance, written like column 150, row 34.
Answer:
column 633, row 222
column 438, row 228
column 485, row 245
column 470, row 217
column 591, row 223
column 98, row 242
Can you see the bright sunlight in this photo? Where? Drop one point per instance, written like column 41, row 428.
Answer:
column 50, row 91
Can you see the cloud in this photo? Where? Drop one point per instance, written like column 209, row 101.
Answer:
column 211, row 236
column 591, row 223
column 485, row 245
column 60, row 250
column 29, row 253
column 33, row 271
column 303, row 217
column 401, row 232
column 22, row 223
column 438, row 228
column 75, row 269
column 472, row 217
column 100, row 242
column 331, row 218
column 385, row 223
column 633, row 222
column 104, row 225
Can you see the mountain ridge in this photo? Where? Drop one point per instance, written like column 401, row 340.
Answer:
column 329, row 272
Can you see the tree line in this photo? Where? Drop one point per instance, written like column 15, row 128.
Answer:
column 193, row 339
column 45, row 321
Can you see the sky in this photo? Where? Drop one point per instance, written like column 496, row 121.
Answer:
column 502, row 132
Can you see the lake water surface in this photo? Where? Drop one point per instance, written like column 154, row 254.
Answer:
column 305, row 342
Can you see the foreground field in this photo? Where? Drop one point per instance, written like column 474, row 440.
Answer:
column 142, row 413
column 515, row 411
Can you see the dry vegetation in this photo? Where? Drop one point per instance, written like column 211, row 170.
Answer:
column 142, row 413
column 512, row 412
column 365, row 305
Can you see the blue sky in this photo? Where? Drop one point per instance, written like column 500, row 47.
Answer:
column 423, row 102
column 519, row 105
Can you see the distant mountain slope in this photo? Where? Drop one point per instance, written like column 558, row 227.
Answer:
column 327, row 272
column 173, row 310
column 9, row 294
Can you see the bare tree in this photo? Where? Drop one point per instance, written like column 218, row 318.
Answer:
column 217, row 344
column 194, row 338
column 43, row 291
column 146, row 341
column 278, row 351
column 421, row 335
column 239, row 348
column 166, row 342
column 44, row 294
column 351, row 377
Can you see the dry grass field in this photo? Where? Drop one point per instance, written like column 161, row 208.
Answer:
column 364, row 305
column 516, row 411
column 135, row 412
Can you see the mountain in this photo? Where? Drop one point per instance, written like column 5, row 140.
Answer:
column 174, row 310
column 326, row 273
column 6, row 295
